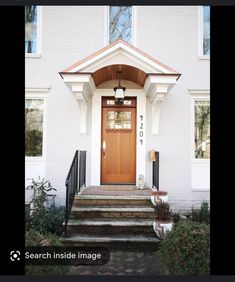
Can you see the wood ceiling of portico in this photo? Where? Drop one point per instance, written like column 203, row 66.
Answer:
column 111, row 72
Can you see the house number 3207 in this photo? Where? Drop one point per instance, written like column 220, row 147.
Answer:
column 141, row 132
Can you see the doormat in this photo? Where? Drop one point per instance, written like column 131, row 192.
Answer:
column 118, row 188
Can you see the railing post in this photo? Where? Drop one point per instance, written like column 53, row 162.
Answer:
column 82, row 169
column 76, row 169
column 156, row 171
column 66, row 208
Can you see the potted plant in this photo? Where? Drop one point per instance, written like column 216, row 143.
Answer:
column 163, row 219
column 158, row 196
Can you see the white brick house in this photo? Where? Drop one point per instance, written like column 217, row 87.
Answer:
column 72, row 61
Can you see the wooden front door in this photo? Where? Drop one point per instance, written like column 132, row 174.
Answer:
column 118, row 152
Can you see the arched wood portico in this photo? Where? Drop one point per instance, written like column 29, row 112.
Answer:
column 128, row 73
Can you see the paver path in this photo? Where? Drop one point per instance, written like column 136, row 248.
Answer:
column 122, row 263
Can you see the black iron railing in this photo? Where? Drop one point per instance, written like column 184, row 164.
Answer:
column 76, row 179
column 82, row 169
column 156, row 171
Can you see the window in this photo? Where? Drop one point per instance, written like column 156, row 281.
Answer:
column 202, row 129
column 34, row 127
column 31, row 29
column 120, row 23
column 206, row 30
column 118, row 120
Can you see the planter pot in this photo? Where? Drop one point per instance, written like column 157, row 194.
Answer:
column 159, row 196
column 160, row 227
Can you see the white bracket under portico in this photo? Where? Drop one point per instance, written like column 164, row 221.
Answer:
column 156, row 87
column 156, row 107
column 82, row 86
column 82, row 103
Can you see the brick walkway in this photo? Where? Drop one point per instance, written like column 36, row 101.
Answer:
column 122, row 263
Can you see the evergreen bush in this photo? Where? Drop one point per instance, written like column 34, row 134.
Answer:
column 185, row 250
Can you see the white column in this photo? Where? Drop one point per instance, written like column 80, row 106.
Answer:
column 95, row 140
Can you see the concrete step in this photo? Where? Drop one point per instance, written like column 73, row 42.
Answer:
column 114, row 241
column 107, row 226
column 100, row 212
column 107, row 200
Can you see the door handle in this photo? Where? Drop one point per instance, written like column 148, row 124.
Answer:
column 104, row 148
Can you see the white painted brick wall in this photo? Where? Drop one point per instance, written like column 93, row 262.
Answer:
column 171, row 34
column 168, row 33
column 68, row 35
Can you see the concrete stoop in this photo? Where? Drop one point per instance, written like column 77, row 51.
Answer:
column 101, row 220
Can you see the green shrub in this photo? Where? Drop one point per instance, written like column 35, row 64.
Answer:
column 40, row 188
column 185, row 250
column 35, row 238
column 46, row 220
column 41, row 218
column 42, row 226
column 176, row 217
column 46, row 270
column 56, row 217
column 200, row 215
column 27, row 217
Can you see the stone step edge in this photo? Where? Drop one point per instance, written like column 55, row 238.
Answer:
column 107, row 239
column 128, row 223
column 110, row 197
column 112, row 209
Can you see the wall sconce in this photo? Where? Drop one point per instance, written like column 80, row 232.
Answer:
column 119, row 91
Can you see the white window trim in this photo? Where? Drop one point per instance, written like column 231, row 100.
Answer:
column 134, row 25
column 39, row 93
column 201, row 56
column 106, row 25
column 39, row 35
column 197, row 95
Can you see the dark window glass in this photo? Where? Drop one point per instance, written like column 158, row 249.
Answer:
column 31, row 32
column 202, row 129
column 33, row 127
column 120, row 23
column 206, row 30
